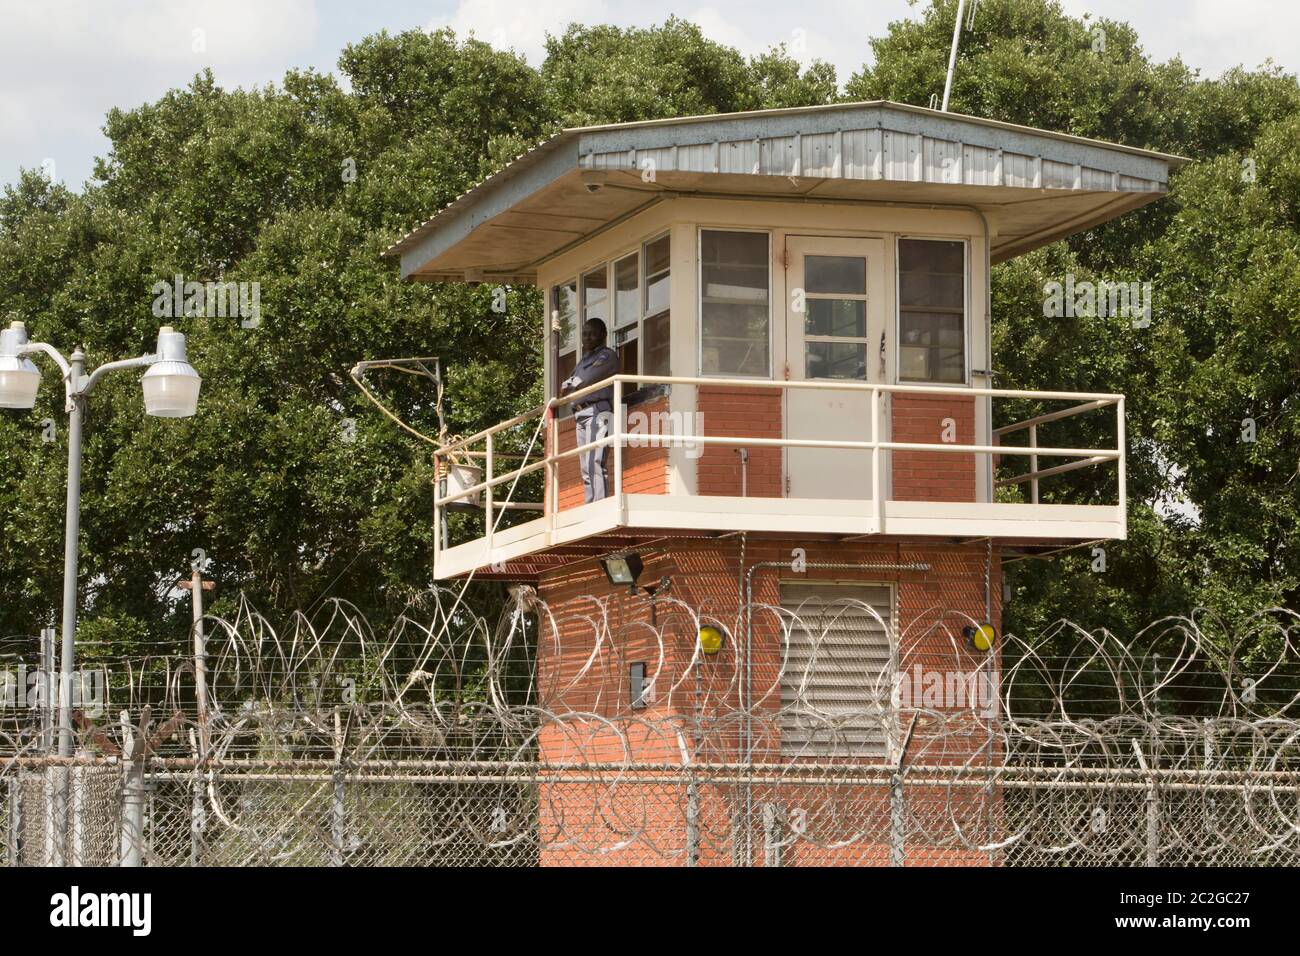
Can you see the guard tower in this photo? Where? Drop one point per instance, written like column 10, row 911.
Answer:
column 808, row 407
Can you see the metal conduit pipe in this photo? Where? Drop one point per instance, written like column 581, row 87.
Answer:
column 747, row 739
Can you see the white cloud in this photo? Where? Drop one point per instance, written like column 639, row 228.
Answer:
column 64, row 65
column 522, row 27
column 808, row 31
column 1210, row 35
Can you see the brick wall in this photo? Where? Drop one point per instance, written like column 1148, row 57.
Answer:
column 740, row 412
column 645, row 467
column 574, row 674
column 583, row 683
column 932, row 475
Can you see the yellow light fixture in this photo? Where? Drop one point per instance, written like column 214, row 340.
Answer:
column 710, row 639
column 980, row 638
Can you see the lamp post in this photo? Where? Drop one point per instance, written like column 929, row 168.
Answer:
column 171, row 390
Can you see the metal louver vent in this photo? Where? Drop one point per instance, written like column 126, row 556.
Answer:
column 837, row 675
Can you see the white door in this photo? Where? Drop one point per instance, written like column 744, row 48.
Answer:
column 835, row 326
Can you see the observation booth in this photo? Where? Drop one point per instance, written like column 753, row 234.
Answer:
column 811, row 452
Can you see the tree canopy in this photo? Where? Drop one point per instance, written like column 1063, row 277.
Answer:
column 299, row 186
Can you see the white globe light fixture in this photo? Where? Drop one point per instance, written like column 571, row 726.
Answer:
column 171, row 386
column 19, row 377
column 171, row 390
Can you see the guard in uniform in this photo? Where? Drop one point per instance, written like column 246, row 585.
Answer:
column 593, row 414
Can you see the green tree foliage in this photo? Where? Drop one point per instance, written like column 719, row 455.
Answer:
column 301, row 185
column 606, row 74
column 1213, row 518
column 298, row 187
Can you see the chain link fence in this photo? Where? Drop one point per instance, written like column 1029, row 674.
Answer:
column 512, row 814
column 329, row 745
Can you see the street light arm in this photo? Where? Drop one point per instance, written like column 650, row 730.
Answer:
column 83, row 387
column 107, row 367
column 51, row 351
column 69, row 385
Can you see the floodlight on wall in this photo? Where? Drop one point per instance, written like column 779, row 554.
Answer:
column 623, row 569
column 19, row 377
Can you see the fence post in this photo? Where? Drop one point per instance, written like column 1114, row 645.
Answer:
column 338, row 810
column 898, row 799
column 76, row 814
column 198, row 812
column 772, row 834
column 56, row 815
column 45, row 688
column 198, row 815
column 897, row 820
column 15, row 821
column 1153, row 824
column 198, row 818
column 692, row 820
column 133, row 813
column 1153, row 796
column 133, row 793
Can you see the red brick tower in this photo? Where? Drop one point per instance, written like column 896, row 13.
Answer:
column 809, row 452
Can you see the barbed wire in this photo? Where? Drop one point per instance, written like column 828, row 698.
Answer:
column 844, row 738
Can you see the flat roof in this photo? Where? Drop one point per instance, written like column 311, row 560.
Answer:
column 1038, row 185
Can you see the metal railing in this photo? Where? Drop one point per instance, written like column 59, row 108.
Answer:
column 874, row 442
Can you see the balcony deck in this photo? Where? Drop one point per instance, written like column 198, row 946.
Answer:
column 563, row 533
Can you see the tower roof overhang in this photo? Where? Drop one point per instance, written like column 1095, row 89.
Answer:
column 1034, row 186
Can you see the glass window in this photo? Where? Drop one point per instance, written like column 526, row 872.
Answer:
column 564, row 304
column 831, row 274
column 595, row 295
column 627, row 310
column 656, row 325
column 735, row 311
column 932, row 311
column 835, row 317
column 627, row 298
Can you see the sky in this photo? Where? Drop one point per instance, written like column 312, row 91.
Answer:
column 65, row 63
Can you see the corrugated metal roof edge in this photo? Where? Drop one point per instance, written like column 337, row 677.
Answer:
column 519, row 164
column 889, row 104
column 534, row 155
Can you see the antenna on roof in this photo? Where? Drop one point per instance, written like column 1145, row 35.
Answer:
column 956, row 38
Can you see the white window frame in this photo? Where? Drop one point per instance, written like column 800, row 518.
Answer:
column 560, row 350
column 864, row 297
column 611, row 277
column 644, row 289
column 699, row 300
column 615, row 323
column 966, row 310
column 607, row 268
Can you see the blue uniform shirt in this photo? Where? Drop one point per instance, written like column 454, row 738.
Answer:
column 596, row 366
